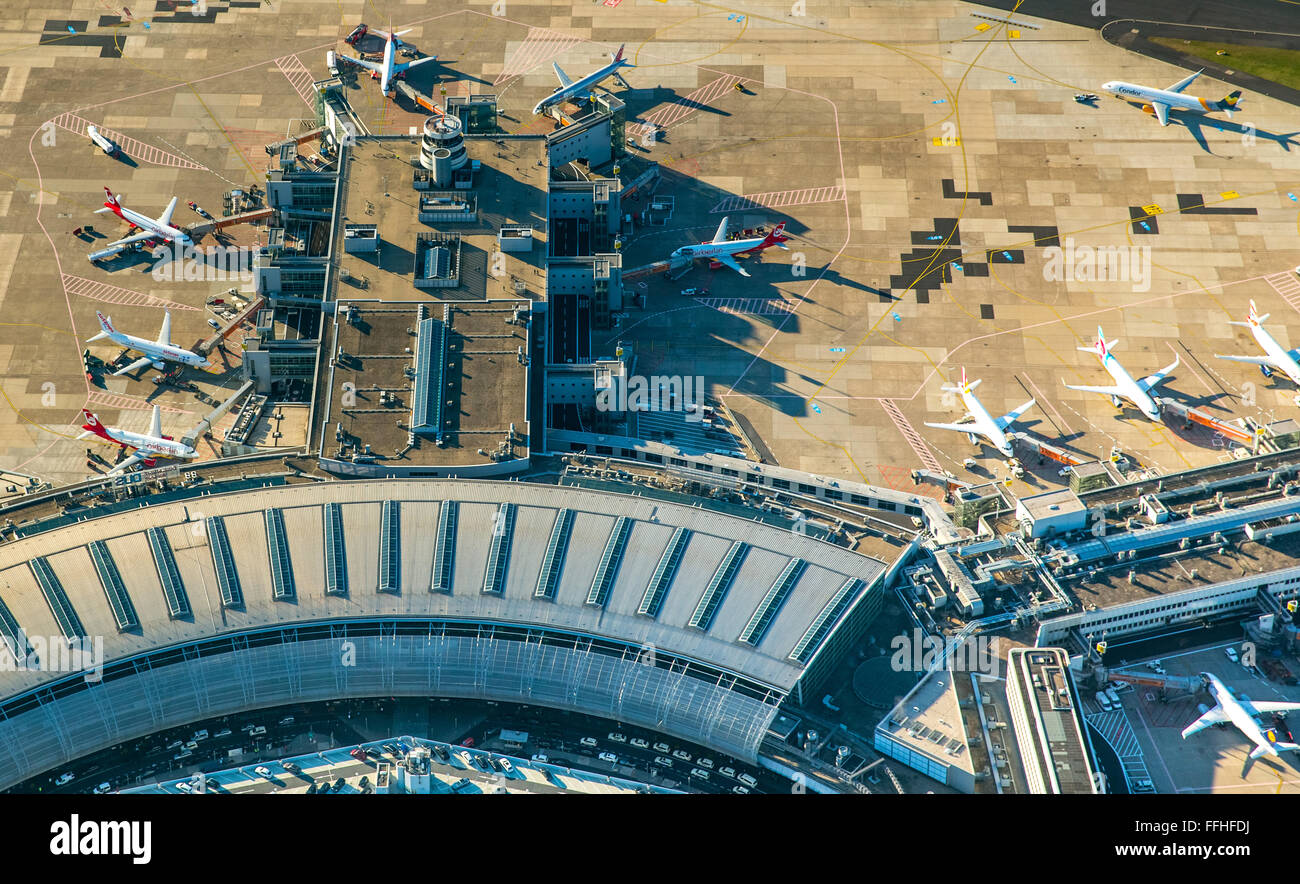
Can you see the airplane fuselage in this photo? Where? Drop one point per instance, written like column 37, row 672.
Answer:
column 150, row 445
column 714, row 249
column 1130, row 388
column 1237, row 714
column 985, row 424
column 580, row 87
column 144, row 222
column 158, row 351
column 1280, row 357
column 1147, row 95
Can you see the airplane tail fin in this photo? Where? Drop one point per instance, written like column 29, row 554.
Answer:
column 618, row 56
column 1231, row 102
column 1254, row 315
column 1101, row 346
column 92, row 426
column 111, row 204
column 777, row 237
column 105, row 324
column 1286, row 747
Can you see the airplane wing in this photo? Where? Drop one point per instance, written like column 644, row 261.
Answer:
column 1162, row 112
column 165, row 336
column 968, row 427
column 1253, row 360
column 138, row 237
column 361, row 62
column 139, row 363
column 131, row 461
column 1214, row 716
column 731, row 262
column 407, row 65
column 1152, row 380
column 1263, row 708
column 721, row 235
column 165, row 219
column 155, row 423
column 1105, row 391
column 1011, row 416
column 565, row 82
column 1183, row 84
column 1294, row 354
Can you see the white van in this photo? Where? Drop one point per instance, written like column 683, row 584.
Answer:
column 1112, row 696
column 1102, row 701
column 331, row 62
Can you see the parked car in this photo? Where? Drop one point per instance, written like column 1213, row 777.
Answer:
column 617, row 738
column 640, row 743
column 706, row 763
column 608, row 756
column 661, row 747
column 103, row 788
column 1231, row 654
column 262, row 771
column 540, row 758
column 727, row 772
column 185, row 787
column 740, row 790
column 681, row 755
column 663, row 762
column 506, row 766
column 224, row 732
column 699, row 774
column 748, row 780
column 1143, row 785
column 291, row 767
column 589, row 742
column 64, row 779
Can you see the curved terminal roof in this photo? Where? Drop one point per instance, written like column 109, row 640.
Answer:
column 747, row 603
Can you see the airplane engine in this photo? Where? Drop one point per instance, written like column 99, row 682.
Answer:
column 1148, row 109
column 973, row 438
column 1114, row 400
column 1266, row 371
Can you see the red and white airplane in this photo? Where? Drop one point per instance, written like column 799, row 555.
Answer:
column 723, row 250
column 150, row 228
column 978, row 422
column 155, row 352
column 148, row 446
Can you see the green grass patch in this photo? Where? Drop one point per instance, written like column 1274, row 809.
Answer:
column 1280, row 66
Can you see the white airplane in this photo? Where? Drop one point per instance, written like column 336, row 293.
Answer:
column 155, row 352
column 151, row 228
column 388, row 69
column 981, row 423
column 1288, row 361
column 723, row 250
column 579, row 88
column 1161, row 101
column 1137, row 392
column 1242, row 715
column 103, row 142
column 147, row 445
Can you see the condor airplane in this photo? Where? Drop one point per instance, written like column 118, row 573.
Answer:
column 1242, row 715
column 1161, row 101
column 154, row 351
column 1137, row 392
column 389, row 69
column 1275, row 357
column 147, row 445
column 151, row 228
column 103, row 142
column 579, row 88
column 981, row 423
column 724, row 250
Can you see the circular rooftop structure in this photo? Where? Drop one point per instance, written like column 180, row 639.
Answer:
column 879, row 684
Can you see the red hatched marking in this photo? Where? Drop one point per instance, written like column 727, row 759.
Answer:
column 757, row 306
column 135, row 149
column 101, row 399
column 541, row 45
column 781, row 198
column 681, row 108
column 1286, row 285
column 299, row 78
column 612, row 3
column 112, row 294
column 909, row 433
